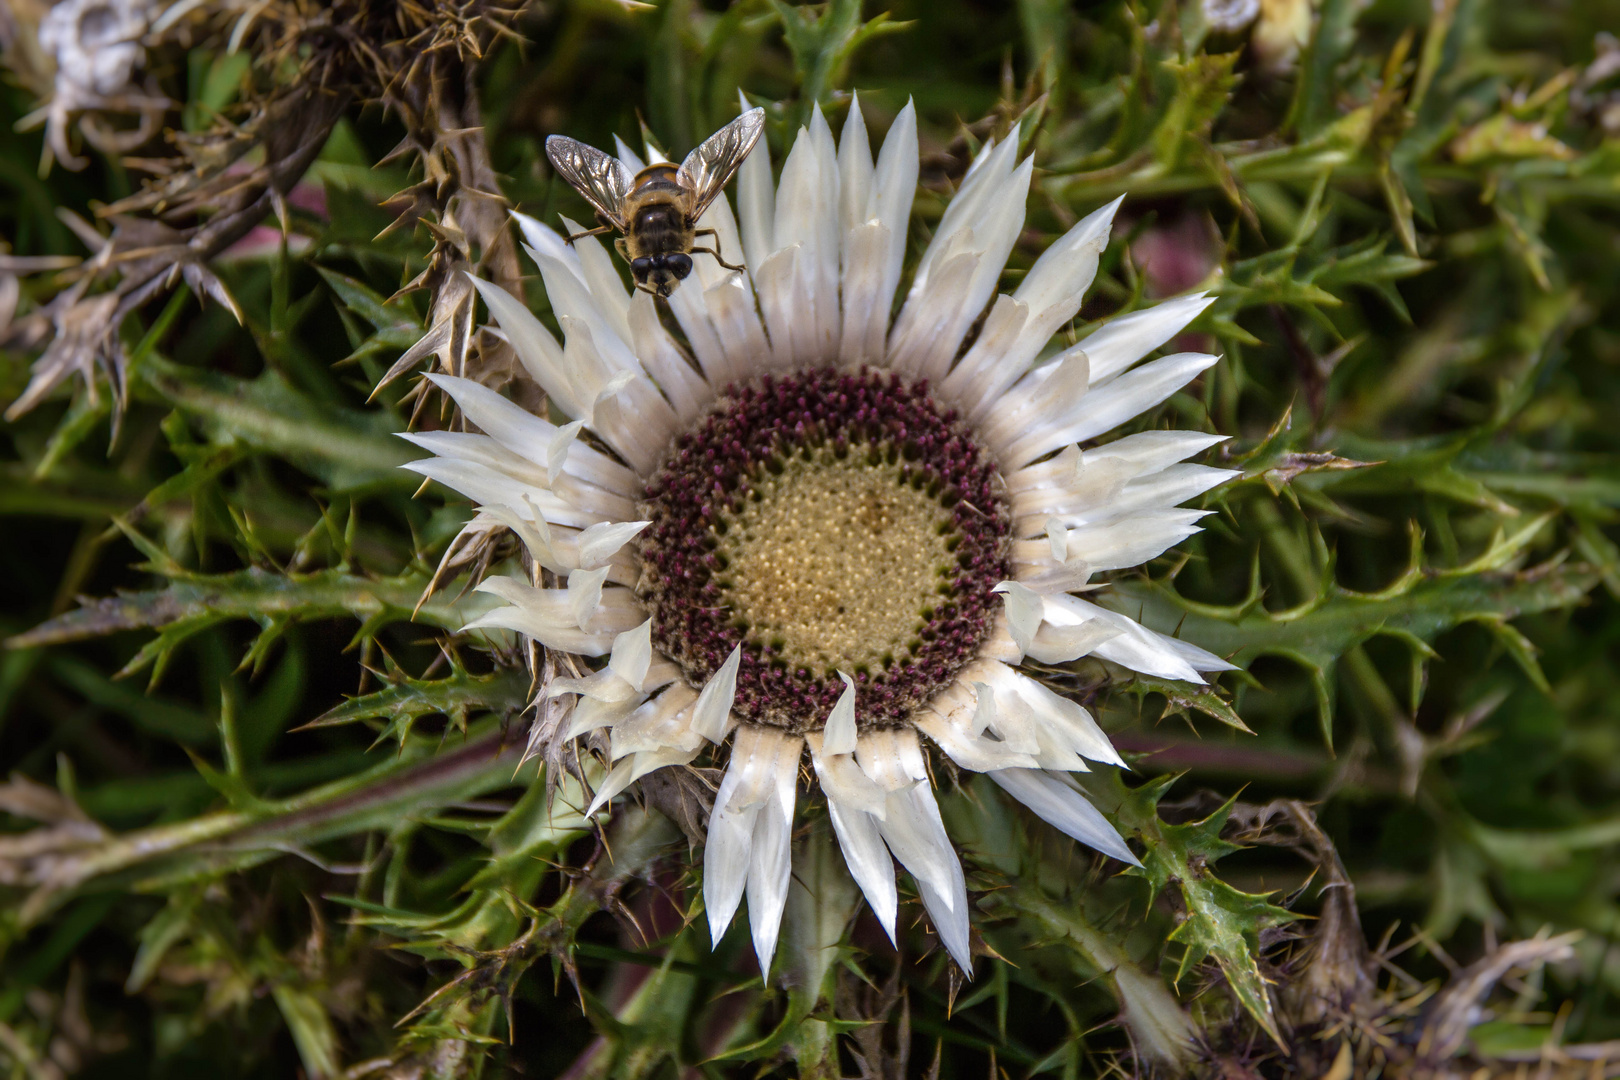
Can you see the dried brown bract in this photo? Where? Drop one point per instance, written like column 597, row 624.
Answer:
column 1340, row 1023
column 311, row 62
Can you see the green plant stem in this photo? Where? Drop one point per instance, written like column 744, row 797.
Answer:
column 414, row 784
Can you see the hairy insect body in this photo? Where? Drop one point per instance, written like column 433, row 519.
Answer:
column 657, row 211
column 662, row 231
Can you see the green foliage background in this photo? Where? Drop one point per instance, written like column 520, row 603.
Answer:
column 277, row 813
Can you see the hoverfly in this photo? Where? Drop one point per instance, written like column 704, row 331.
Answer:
column 658, row 209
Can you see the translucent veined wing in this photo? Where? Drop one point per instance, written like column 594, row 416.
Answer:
column 706, row 169
column 599, row 177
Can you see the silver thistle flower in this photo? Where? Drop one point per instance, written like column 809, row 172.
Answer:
column 820, row 531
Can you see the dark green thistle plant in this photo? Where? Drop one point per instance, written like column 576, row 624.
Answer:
column 1217, row 390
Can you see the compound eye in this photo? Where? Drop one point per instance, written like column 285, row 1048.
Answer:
column 641, row 267
column 680, row 265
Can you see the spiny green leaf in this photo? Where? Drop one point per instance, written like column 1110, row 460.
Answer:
column 1216, row 920
column 822, row 42
column 409, row 700
column 347, row 449
column 194, row 602
column 1182, row 698
column 1044, row 901
column 414, row 783
column 396, row 328
column 1314, row 97
column 1203, row 84
column 83, row 418
column 160, row 716
column 1421, row 607
column 370, row 304
column 160, row 934
column 311, row 1027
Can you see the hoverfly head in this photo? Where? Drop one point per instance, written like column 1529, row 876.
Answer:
column 660, row 274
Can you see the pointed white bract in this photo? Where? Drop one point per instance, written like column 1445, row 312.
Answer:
column 1065, row 808
column 632, row 654
column 749, row 829
column 839, row 733
column 712, row 717
column 825, row 248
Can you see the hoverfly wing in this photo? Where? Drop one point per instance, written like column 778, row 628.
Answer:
column 706, row 169
column 601, row 178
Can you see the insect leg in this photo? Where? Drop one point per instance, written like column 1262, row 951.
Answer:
column 716, row 251
column 717, row 258
column 598, row 231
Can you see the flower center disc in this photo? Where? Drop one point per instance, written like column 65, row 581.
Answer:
column 836, row 563
column 827, row 521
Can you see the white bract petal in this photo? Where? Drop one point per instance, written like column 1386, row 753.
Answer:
column 655, row 155
column 585, row 594
column 914, row 832
column 892, row 758
column 1105, row 408
column 872, row 275
column 1122, row 342
column 485, row 475
column 726, row 240
column 630, row 769
column 856, row 805
column 840, row 730
column 1057, row 537
column 1027, row 709
column 523, row 435
column 712, row 718
column 546, row 615
column 600, row 542
column 771, row 856
column 593, row 714
column 543, row 238
column 867, row 293
column 1058, row 281
column 557, row 451
column 974, row 752
column 948, row 294
column 854, row 168
column 843, row 780
column 1024, row 612
column 1064, row 808
column 730, row 840
column 632, row 654
column 861, row 841
column 603, row 281
column 733, row 315
column 632, row 161
column 663, row 359
column 756, row 202
column 539, row 352
column 658, row 725
column 984, row 713
column 1135, row 646
column 691, row 311
column 1111, row 545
